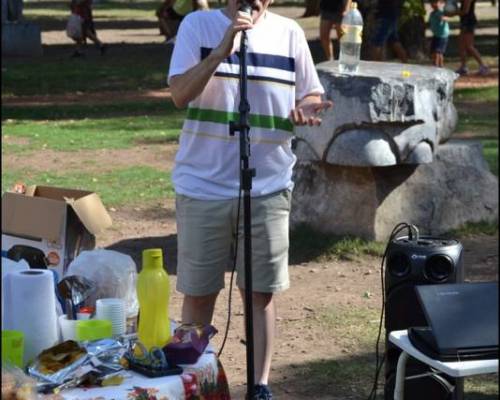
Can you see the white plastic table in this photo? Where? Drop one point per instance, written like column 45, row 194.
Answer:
column 456, row 369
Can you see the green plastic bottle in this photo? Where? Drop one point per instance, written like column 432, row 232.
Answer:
column 153, row 293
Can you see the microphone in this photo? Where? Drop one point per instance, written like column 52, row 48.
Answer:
column 246, row 7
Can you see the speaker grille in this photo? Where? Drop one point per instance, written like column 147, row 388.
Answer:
column 398, row 265
column 439, row 268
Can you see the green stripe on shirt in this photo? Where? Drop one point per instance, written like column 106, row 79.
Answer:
column 224, row 117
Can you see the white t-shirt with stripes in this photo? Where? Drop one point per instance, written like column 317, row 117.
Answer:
column 280, row 72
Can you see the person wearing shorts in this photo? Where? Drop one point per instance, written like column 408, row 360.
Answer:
column 83, row 8
column 283, row 90
column 438, row 23
column 331, row 14
column 386, row 30
column 468, row 22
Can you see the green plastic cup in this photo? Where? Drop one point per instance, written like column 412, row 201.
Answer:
column 93, row 329
column 13, row 347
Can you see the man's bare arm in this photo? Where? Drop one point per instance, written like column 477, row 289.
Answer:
column 189, row 85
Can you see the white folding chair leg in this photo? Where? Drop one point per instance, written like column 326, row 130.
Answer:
column 399, row 388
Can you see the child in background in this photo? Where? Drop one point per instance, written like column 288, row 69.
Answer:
column 440, row 30
column 83, row 8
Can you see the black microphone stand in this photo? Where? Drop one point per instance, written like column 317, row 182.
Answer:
column 246, row 175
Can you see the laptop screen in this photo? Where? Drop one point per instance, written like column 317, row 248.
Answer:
column 462, row 316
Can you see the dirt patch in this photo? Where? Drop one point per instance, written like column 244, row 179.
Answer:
column 475, row 81
column 20, row 141
column 159, row 156
column 89, row 98
column 317, row 289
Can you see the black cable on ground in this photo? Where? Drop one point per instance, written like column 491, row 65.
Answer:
column 229, row 301
column 379, row 363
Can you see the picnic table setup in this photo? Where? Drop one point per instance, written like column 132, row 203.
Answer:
column 79, row 337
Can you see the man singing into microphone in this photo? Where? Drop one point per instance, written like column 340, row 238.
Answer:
column 283, row 90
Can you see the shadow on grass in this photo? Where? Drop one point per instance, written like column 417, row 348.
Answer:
column 102, row 22
column 159, row 107
column 307, row 244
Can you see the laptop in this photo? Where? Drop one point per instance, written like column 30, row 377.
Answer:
column 462, row 321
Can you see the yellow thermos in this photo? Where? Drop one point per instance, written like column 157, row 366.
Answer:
column 153, row 293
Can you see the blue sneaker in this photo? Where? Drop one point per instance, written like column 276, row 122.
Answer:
column 262, row 392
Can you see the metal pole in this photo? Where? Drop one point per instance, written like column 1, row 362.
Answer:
column 246, row 175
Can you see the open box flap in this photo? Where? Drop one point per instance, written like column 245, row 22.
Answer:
column 31, row 217
column 91, row 212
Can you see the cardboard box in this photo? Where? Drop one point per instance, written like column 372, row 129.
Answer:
column 51, row 225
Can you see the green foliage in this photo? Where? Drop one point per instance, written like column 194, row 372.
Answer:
column 411, row 9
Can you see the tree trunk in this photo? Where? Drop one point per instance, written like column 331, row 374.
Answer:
column 312, row 8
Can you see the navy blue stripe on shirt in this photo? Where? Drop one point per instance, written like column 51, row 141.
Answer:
column 258, row 60
column 256, row 78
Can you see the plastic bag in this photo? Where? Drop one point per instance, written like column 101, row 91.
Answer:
column 114, row 273
column 16, row 385
column 74, row 27
column 188, row 343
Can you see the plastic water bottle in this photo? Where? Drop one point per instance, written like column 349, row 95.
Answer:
column 350, row 41
column 153, row 293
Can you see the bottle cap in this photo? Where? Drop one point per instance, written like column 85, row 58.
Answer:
column 152, row 258
column 354, row 5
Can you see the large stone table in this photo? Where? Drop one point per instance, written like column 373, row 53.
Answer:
column 383, row 156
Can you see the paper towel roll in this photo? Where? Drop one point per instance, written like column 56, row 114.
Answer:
column 31, row 297
column 9, row 266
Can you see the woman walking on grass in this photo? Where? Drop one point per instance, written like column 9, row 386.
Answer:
column 468, row 23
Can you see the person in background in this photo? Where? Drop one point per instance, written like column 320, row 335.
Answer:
column 440, row 31
column 83, row 8
column 171, row 13
column 386, row 31
column 331, row 13
column 468, row 22
column 284, row 90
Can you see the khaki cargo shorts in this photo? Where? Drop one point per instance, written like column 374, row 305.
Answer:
column 206, row 236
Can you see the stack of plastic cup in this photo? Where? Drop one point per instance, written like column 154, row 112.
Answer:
column 93, row 329
column 68, row 327
column 112, row 310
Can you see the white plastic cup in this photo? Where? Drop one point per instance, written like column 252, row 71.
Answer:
column 68, row 327
column 113, row 309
